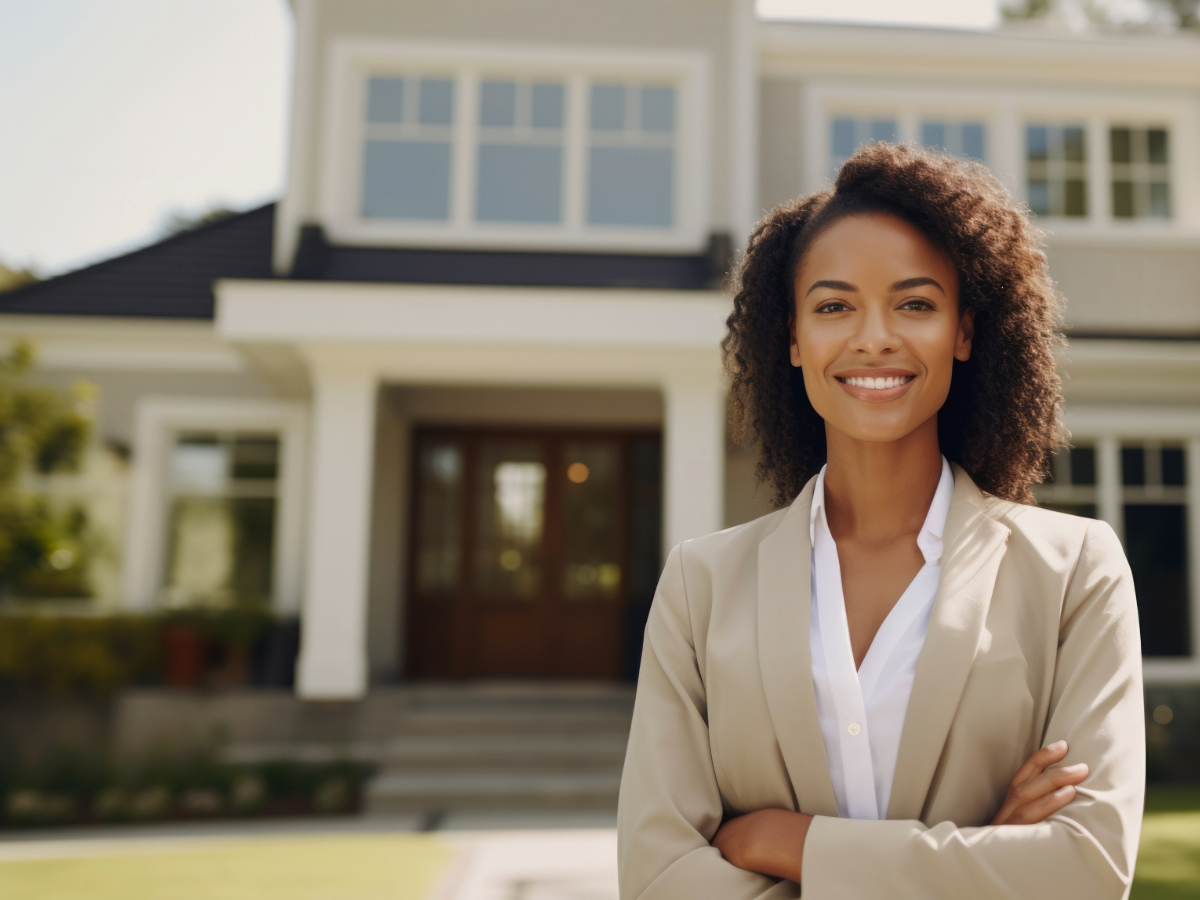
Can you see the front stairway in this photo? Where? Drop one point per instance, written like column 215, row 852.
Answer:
column 504, row 746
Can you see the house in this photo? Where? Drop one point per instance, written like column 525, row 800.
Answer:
column 451, row 398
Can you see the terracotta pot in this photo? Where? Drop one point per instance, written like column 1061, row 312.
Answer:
column 186, row 652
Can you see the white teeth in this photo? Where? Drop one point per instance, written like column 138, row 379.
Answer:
column 878, row 384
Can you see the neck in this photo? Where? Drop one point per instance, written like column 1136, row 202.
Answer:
column 879, row 491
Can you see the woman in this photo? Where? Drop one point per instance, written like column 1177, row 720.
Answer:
column 910, row 681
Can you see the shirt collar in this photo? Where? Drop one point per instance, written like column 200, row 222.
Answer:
column 929, row 541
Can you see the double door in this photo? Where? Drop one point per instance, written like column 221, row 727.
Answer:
column 527, row 547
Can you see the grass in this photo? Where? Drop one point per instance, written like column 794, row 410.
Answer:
column 1169, row 858
column 365, row 867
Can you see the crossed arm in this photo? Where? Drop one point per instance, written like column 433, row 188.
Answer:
column 771, row 841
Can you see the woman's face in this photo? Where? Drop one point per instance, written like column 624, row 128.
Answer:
column 877, row 327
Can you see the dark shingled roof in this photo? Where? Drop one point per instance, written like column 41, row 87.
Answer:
column 171, row 279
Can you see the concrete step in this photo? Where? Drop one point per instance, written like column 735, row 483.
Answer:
column 440, row 791
column 591, row 751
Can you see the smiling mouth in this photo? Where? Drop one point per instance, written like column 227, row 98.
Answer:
column 877, row 384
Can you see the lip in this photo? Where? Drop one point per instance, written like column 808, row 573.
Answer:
column 870, row 395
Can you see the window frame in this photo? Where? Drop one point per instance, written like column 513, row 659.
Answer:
column 1106, row 428
column 353, row 61
column 158, row 421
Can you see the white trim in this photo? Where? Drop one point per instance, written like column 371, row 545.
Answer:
column 296, row 203
column 157, row 419
column 352, row 59
column 744, row 131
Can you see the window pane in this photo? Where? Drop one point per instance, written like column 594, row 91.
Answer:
column 1083, row 465
column 1122, row 197
column 1122, row 148
column 1157, row 141
column 1133, row 465
column 591, row 537
column 1076, row 198
column 608, row 107
column 437, row 102
column 972, row 142
column 1156, row 544
column 883, row 130
column 658, row 109
column 547, row 106
column 1039, row 197
column 631, row 186
column 508, row 545
column 385, row 100
column 1073, row 150
column 1160, row 200
column 255, row 458
column 220, row 551
column 843, row 139
column 1036, row 142
column 498, row 104
column 933, row 134
column 519, row 183
column 199, row 465
column 1172, row 467
column 406, row 180
column 439, row 521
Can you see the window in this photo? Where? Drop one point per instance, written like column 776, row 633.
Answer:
column 406, row 169
column 631, row 156
column 520, row 152
column 221, row 525
column 1140, row 173
column 964, row 139
column 850, row 134
column 1147, row 487
column 1056, row 166
column 1154, row 510
column 487, row 147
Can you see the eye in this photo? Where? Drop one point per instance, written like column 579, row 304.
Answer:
column 919, row 304
column 832, row 306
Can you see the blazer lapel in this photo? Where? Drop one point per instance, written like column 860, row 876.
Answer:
column 974, row 546
column 784, row 598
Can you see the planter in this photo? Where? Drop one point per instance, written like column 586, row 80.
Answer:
column 186, row 652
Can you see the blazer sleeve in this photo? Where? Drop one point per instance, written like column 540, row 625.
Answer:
column 670, row 806
column 1089, row 848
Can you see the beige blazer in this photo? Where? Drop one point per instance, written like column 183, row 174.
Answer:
column 1033, row 638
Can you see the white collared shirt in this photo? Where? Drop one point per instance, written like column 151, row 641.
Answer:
column 862, row 712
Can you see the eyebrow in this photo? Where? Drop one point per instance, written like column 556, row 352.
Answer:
column 905, row 285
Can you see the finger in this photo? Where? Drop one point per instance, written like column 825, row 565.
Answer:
column 1042, row 808
column 1037, row 763
column 1048, row 782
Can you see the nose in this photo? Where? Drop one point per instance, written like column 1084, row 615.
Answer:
column 875, row 335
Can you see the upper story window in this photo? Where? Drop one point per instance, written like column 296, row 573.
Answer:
column 966, row 139
column 1056, row 169
column 457, row 145
column 1141, row 185
column 850, row 134
column 406, row 165
column 631, row 156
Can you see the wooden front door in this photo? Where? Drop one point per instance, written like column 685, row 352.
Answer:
column 521, row 561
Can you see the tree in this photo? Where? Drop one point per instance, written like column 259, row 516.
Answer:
column 14, row 278
column 43, row 430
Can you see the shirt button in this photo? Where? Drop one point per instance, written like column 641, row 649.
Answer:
column 853, row 729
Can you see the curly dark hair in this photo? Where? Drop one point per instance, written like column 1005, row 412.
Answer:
column 1002, row 418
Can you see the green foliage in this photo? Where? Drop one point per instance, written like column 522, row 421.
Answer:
column 79, row 653
column 43, row 430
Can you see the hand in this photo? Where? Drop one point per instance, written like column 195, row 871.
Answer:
column 769, row 841
column 1037, row 792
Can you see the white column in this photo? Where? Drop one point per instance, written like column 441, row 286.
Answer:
column 743, row 119
column 1108, row 483
column 333, row 653
column 693, row 459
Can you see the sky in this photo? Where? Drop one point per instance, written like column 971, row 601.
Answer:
column 114, row 114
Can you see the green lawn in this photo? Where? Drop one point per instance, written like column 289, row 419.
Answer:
column 1169, row 859
column 326, row 867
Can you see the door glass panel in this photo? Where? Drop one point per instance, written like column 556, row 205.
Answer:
column 439, row 521
column 1156, row 543
column 591, row 507
column 511, row 519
